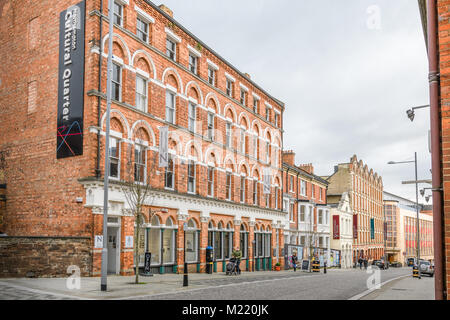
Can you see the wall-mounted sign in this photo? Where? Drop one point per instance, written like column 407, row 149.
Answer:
column 336, row 231
column 98, row 242
column 71, row 82
column 128, row 241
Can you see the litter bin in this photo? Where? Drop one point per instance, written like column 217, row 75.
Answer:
column 209, row 259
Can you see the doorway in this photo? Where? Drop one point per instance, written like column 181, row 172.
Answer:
column 113, row 250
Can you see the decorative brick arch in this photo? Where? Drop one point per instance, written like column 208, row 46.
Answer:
column 230, row 107
column 121, row 43
column 245, row 116
column 213, row 96
column 121, row 118
column 217, row 155
column 173, row 72
column 258, row 169
column 147, row 127
column 145, row 55
column 196, row 144
column 194, row 84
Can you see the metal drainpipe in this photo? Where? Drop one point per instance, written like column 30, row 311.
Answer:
column 97, row 169
column 440, row 283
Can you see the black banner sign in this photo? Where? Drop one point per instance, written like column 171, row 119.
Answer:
column 147, row 261
column 71, row 82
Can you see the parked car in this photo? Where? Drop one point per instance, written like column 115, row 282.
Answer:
column 380, row 264
column 395, row 264
column 426, row 268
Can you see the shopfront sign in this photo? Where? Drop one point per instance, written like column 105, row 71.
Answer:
column 71, row 82
column 336, row 231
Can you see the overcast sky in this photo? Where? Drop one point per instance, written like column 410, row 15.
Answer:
column 346, row 77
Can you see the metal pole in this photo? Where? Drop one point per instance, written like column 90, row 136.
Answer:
column 106, row 172
column 384, row 232
column 417, row 211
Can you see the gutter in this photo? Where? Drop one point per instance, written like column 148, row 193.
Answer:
column 99, row 100
column 434, row 76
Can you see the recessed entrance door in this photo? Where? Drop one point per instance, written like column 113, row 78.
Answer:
column 113, row 250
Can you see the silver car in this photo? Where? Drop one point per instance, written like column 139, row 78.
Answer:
column 426, row 268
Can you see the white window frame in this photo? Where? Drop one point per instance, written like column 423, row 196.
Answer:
column 171, row 51
column 211, row 125
column 255, row 192
column 193, row 65
column 146, row 23
column 144, row 151
column 210, row 178
column 172, row 171
column 242, row 189
column 173, row 108
column 139, row 95
column 119, row 146
column 229, row 176
column 117, row 83
column 192, row 163
column 120, row 5
column 228, row 134
column 229, row 87
column 212, row 76
column 192, row 118
column 303, row 188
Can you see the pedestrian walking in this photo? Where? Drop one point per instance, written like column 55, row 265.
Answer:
column 360, row 261
column 365, row 264
column 294, row 261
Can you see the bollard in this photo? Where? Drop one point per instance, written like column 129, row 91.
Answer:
column 185, row 276
column 325, row 267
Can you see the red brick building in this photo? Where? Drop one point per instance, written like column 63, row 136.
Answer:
column 224, row 131
column 365, row 190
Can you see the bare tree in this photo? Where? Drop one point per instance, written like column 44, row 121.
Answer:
column 137, row 189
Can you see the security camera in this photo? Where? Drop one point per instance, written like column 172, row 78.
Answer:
column 410, row 114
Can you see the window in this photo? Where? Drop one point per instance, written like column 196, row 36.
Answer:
column 267, row 201
column 320, row 194
column 291, row 183
column 114, row 156
column 268, row 152
column 154, row 241
column 171, row 49
column 218, row 243
column 267, row 113
column 277, row 117
column 303, row 188
column 228, row 135
column 320, row 217
column 210, row 181
column 242, row 189
column 193, row 63
column 170, row 107
column 228, row 186
column 243, row 97
column 255, row 146
column 255, row 192
column 140, row 163
column 141, row 93
column 118, row 13
column 276, row 197
column 285, row 205
column 242, row 141
column 168, row 243
column 211, row 76
column 312, row 191
column 192, row 115
column 255, row 105
column 211, row 126
column 117, row 82
column 191, row 243
column 142, row 29
column 191, row 176
column 302, row 213
column 170, row 174
column 291, row 212
column 229, row 88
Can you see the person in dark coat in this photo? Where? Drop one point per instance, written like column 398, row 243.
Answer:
column 294, row 261
column 365, row 264
column 360, row 261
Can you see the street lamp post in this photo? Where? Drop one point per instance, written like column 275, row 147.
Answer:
column 104, row 266
column 417, row 204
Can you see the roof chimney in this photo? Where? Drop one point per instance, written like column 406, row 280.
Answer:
column 166, row 10
column 289, row 157
column 308, row 168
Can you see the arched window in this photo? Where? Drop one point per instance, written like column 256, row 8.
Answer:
column 228, row 241
column 191, row 241
column 168, row 243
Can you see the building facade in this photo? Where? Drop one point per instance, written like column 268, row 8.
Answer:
column 224, row 131
column 365, row 190
column 305, row 203
column 401, row 229
column 341, row 230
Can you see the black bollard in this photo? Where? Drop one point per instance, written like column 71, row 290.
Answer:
column 325, row 267
column 185, row 276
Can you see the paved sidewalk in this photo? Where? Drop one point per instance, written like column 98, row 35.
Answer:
column 407, row 288
column 120, row 287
